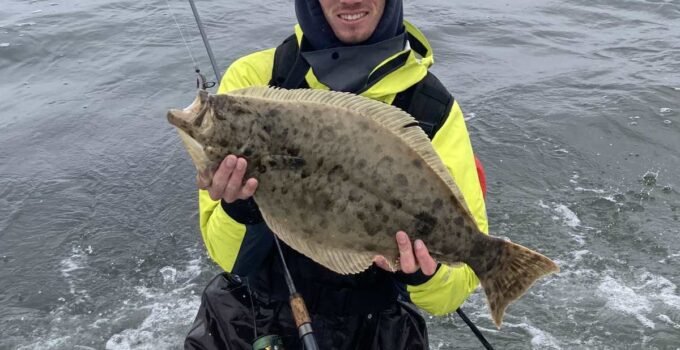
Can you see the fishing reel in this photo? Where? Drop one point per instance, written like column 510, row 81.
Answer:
column 268, row 342
column 201, row 82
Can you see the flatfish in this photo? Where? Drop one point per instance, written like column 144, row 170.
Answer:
column 339, row 174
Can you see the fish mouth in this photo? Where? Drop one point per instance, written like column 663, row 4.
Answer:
column 188, row 121
column 192, row 116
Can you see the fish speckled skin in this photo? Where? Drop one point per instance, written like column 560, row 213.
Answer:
column 339, row 175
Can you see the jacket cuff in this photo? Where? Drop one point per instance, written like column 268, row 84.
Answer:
column 416, row 278
column 244, row 212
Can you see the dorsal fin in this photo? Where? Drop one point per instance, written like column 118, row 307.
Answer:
column 392, row 118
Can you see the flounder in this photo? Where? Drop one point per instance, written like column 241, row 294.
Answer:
column 340, row 174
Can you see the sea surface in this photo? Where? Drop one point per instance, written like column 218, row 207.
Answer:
column 573, row 106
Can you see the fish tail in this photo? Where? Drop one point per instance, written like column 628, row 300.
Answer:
column 516, row 269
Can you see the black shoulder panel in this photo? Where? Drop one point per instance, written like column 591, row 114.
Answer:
column 289, row 67
column 428, row 101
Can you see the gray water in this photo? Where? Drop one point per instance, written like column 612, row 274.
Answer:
column 573, row 106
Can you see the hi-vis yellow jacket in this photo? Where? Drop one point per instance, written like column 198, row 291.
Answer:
column 449, row 286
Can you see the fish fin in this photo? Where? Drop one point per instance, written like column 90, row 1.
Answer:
column 517, row 269
column 283, row 162
column 339, row 260
column 390, row 117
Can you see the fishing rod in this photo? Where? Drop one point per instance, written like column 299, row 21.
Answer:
column 474, row 329
column 206, row 43
column 297, row 304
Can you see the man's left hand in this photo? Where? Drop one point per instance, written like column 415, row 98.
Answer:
column 411, row 258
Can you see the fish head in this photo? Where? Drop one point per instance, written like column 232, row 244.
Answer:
column 194, row 124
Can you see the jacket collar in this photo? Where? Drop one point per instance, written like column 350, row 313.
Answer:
column 396, row 73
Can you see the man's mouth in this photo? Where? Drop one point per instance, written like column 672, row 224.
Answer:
column 351, row 17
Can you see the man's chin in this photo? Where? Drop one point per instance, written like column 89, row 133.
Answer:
column 352, row 38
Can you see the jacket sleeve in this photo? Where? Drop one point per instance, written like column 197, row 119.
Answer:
column 234, row 234
column 448, row 288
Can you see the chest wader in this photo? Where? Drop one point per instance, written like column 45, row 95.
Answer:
column 362, row 311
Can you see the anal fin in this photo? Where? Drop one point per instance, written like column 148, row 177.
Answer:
column 341, row 260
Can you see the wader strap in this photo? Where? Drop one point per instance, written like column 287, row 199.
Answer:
column 428, row 101
column 289, row 67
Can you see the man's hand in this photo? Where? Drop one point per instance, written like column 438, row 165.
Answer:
column 227, row 181
column 410, row 258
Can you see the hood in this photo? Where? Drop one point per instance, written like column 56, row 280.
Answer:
column 320, row 35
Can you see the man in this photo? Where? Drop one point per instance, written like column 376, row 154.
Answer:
column 364, row 47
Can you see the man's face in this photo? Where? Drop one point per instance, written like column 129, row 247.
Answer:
column 353, row 21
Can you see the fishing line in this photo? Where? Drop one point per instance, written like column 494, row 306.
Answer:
column 201, row 81
column 252, row 308
column 181, row 33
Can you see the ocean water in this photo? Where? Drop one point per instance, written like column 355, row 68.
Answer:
column 573, row 106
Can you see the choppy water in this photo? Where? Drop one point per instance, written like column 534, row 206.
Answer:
column 574, row 108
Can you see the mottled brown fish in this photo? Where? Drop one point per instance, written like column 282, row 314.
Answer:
column 339, row 174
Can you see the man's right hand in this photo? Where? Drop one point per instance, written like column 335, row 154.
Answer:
column 227, row 181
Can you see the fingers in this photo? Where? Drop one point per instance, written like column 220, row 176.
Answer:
column 382, row 263
column 412, row 258
column 235, row 183
column 221, row 177
column 248, row 189
column 426, row 262
column 227, row 182
column 407, row 261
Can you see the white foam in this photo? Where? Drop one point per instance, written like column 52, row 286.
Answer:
column 540, row 339
column 169, row 274
column 54, row 343
column 659, row 289
column 668, row 320
column 623, row 299
column 594, row 190
column 70, row 267
column 170, row 313
column 569, row 217
column 653, row 292
column 574, row 177
column 578, row 255
column 670, row 257
column 610, row 198
column 153, row 332
column 665, row 110
column 4, row 44
column 155, row 317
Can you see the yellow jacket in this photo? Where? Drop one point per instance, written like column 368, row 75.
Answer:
column 449, row 286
